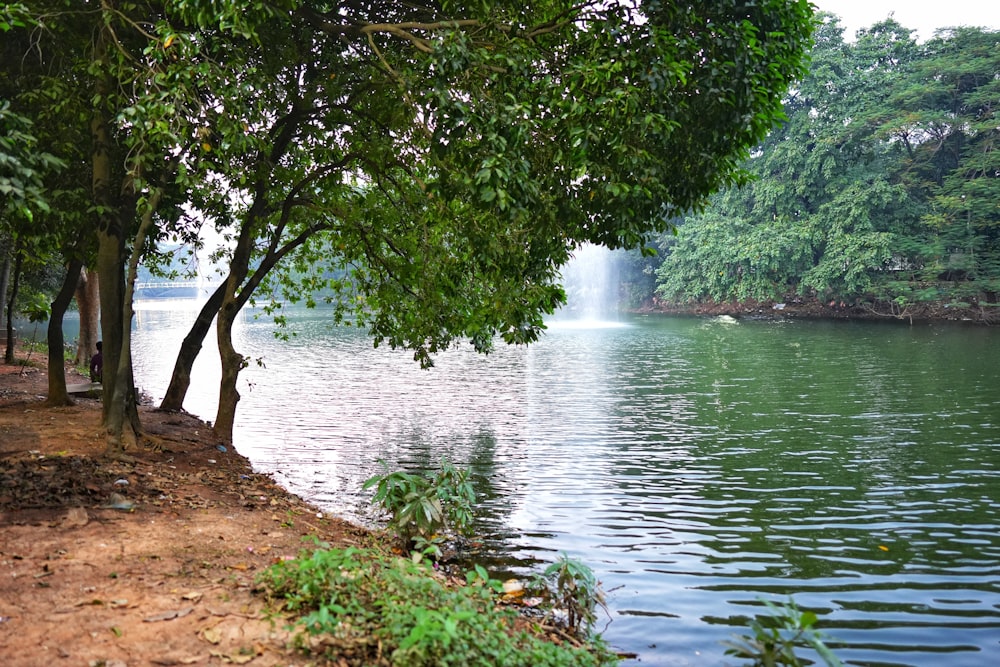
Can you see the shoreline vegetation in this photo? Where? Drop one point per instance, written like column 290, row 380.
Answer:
column 183, row 555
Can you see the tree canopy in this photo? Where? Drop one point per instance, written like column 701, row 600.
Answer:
column 431, row 164
column 880, row 189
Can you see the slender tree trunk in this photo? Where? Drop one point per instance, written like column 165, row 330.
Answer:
column 4, row 278
column 180, row 380
column 11, row 302
column 57, row 368
column 232, row 363
column 4, row 282
column 124, row 423
column 119, row 394
column 88, row 300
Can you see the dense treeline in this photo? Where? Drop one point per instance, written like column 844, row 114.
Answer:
column 880, row 190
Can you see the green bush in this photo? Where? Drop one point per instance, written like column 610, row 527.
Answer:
column 373, row 608
column 573, row 588
column 423, row 509
column 775, row 639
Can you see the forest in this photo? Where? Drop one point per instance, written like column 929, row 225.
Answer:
column 879, row 193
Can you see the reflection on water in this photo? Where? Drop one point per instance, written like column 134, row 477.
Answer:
column 697, row 465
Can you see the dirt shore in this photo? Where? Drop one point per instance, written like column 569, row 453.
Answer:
column 812, row 308
column 110, row 564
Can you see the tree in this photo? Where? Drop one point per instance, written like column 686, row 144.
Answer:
column 824, row 210
column 442, row 161
column 107, row 77
column 22, row 197
column 446, row 160
column 945, row 113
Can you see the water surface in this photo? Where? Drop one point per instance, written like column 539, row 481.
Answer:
column 698, row 466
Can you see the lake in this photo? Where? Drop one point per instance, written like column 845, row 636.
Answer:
column 699, row 466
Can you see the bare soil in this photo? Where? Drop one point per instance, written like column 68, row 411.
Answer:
column 112, row 564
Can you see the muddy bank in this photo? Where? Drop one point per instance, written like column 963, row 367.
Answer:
column 836, row 310
column 150, row 562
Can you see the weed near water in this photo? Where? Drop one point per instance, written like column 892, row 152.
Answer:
column 369, row 607
column 775, row 640
column 424, row 510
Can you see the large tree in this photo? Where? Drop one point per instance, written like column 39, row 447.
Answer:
column 439, row 161
column 444, row 161
column 880, row 189
column 117, row 103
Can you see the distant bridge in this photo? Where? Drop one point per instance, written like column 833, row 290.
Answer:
column 170, row 284
column 177, row 286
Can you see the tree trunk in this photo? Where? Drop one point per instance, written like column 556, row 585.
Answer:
column 4, row 281
column 180, row 380
column 123, row 424
column 119, row 394
column 109, row 267
column 236, row 296
column 232, row 363
column 57, row 368
column 87, row 300
column 11, row 302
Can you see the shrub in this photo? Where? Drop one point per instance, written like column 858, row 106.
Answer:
column 423, row 509
column 367, row 607
column 775, row 639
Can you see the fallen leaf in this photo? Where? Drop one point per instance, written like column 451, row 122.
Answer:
column 211, row 635
column 234, row 658
column 169, row 615
column 93, row 601
column 170, row 662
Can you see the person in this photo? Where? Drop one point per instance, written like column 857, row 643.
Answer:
column 97, row 364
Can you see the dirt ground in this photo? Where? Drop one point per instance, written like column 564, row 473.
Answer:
column 111, row 564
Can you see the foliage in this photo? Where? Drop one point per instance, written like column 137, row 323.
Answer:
column 422, row 509
column 879, row 187
column 22, row 167
column 428, row 165
column 574, row 589
column 774, row 640
column 368, row 607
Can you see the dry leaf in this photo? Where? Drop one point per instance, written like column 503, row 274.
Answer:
column 211, row 635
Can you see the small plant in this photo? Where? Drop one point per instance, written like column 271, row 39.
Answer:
column 375, row 608
column 422, row 508
column 774, row 644
column 573, row 587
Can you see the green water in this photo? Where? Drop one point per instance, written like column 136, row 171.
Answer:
column 697, row 465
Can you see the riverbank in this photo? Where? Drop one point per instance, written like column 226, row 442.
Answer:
column 144, row 563
column 806, row 308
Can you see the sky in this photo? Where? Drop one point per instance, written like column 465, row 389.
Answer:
column 924, row 16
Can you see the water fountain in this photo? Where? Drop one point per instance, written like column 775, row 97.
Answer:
column 591, row 282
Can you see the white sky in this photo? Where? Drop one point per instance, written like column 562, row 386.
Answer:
column 924, row 16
